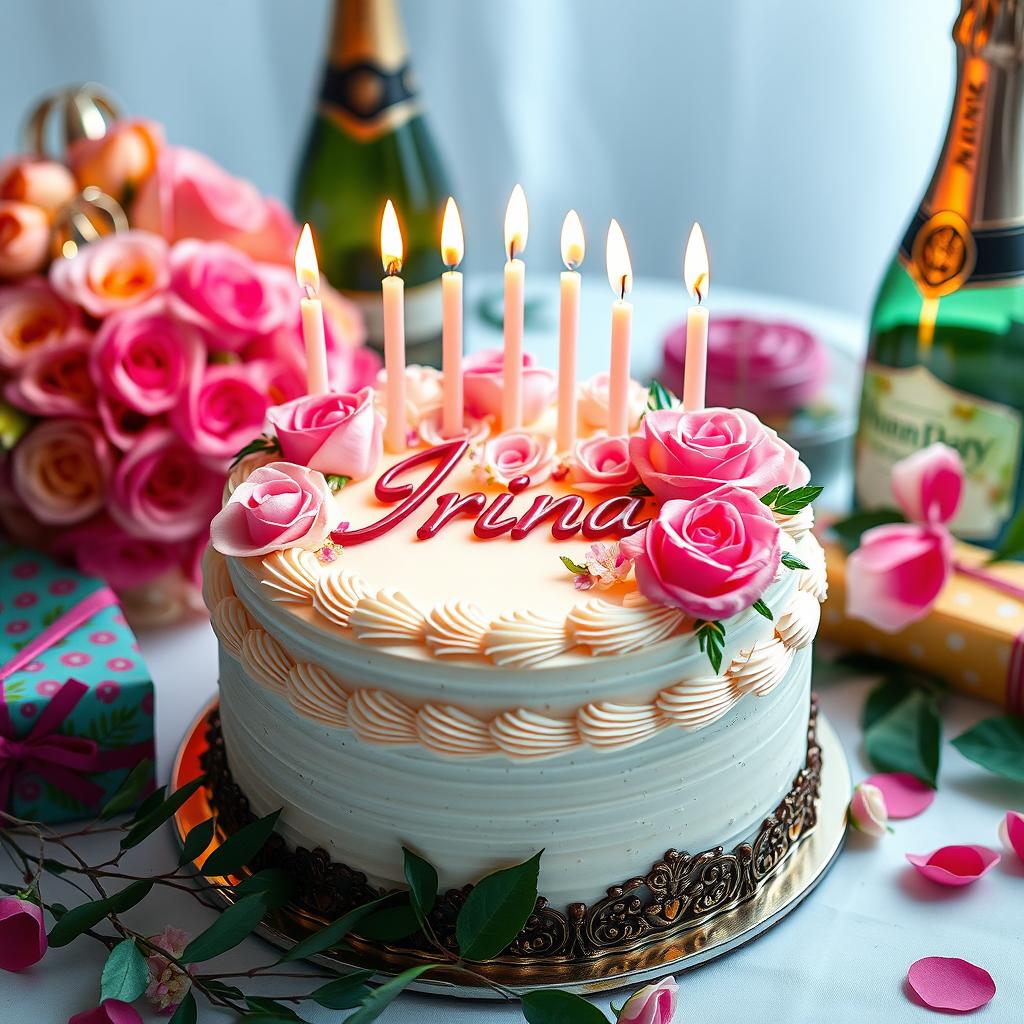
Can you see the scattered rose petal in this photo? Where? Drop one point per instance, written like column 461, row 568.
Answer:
column 949, row 983
column 955, row 865
column 1011, row 832
column 905, row 796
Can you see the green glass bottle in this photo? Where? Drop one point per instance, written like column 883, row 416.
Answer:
column 946, row 349
column 369, row 142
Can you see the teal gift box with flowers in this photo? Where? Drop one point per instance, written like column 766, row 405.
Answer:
column 76, row 700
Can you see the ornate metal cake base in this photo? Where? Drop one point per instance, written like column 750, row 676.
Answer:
column 790, row 882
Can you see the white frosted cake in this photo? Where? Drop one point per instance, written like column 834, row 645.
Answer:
column 481, row 647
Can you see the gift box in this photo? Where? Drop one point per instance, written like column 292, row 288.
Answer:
column 973, row 637
column 76, row 700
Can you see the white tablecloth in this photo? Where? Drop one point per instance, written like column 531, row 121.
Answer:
column 841, row 957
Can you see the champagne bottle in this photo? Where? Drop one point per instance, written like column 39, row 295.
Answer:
column 369, row 142
column 946, row 349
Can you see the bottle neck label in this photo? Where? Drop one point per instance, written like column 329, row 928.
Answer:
column 367, row 100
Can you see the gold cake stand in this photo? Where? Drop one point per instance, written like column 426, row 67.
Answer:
column 780, row 895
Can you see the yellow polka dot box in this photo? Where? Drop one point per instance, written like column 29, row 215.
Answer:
column 973, row 637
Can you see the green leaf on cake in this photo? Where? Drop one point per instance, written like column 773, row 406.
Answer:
column 784, row 501
column 848, row 531
column 266, row 444
column 790, row 561
column 908, row 738
column 640, row 491
column 196, row 842
column 552, row 1006
column 129, row 791
column 81, row 918
column 331, row 935
column 345, row 992
column 762, row 609
column 389, row 924
column 1012, row 544
column 996, row 744
column 232, row 927
column 496, row 910
column 125, row 974
column 711, row 637
column 574, row 567
column 145, row 825
column 239, row 848
column 421, row 877
column 187, row 1011
column 337, row 482
column 659, row 397
column 381, row 998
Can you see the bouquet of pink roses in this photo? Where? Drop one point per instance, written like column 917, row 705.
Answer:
column 134, row 367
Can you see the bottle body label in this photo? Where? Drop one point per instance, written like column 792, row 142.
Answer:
column 905, row 409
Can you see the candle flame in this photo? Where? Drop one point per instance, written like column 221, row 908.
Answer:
column 517, row 223
column 452, row 243
column 573, row 245
column 307, row 271
column 696, row 270
column 391, row 249
column 620, row 271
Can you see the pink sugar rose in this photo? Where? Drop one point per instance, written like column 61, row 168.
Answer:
column 190, row 196
column 110, row 1011
column 482, row 376
column 114, row 272
column 118, row 160
column 56, row 380
column 928, row 484
column 43, row 183
column 711, row 557
column 224, row 292
column 222, row 412
column 686, row 454
column 32, row 316
column 162, row 491
column 60, row 470
column 24, row 238
column 144, row 357
column 339, row 434
column 592, row 399
column 896, row 574
column 279, row 506
column 653, row 1004
column 516, row 453
column 602, row 463
column 22, row 934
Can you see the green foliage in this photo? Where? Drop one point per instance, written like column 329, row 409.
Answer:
column 275, row 885
column 146, row 824
column 790, row 561
column 187, row 1012
column 907, row 737
column 640, row 490
column 1012, row 544
column 197, row 840
column 659, row 397
column 330, row 936
column 239, row 848
column 574, row 567
column 114, row 728
column 389, row 924
column 762, row 609
column 996, row 744
column 849, row 530
column 551, row 1006
column 129, row 790
column 125, row 974
column 264, row 444
column 337, row 482
column 380, row 998
column 344, row 993
column 421, row 877
column 232, row 927
column 87, row 915
column 785, row 502
column 711, row 637
column 496, row 909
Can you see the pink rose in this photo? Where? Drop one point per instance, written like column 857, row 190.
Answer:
column 190, row 196
column 482, row 376
column 516, row 453
column 335, row 434
column 123, row 425
column 43, row 183
column 711, row 557
column 279, row 506
column 118, row 160
column 653, row 1004
column 162, row 491
column 867, row 812
column 686, row 454
column 222, row 412
column 32, row 316
column 896, row 574
column 56, row 380
column 223, row 291
column 602, row 463
column 60, row 470
column 22, row 934
column 929, row 483
column 24, row 238
column 592, row 399
column 114, row 272
column 144, row 358
column 110, row 1011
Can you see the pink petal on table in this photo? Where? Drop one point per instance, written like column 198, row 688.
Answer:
column 949, row 983
column 955, row 865
column 905, row 796
column 1011, row 832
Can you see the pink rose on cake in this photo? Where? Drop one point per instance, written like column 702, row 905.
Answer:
column 113, row 273
column 56, row 381
column 515, row 453
column 482, row 376
column 337, row 434
column 711, row 557
column 32, row 316
column 24, row 238
column 602, row 463
column 687, row 454
column 279, row 506
column 223, row 410
column 592, row 399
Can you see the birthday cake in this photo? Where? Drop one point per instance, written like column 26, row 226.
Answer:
column 480, row 647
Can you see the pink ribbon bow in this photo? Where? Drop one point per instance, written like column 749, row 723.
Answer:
column 61, row 760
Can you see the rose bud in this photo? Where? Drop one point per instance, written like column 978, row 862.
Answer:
column 654, row 1004
column 22, row 934
column 867, row 811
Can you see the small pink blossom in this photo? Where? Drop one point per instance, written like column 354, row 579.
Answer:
column 107, row 692
column 607, row 563
column 120, row 664
column 22, row 934
column 25, row 600
column 47, row 687
column 75, row 659
column 867, row 811
column 168, row 984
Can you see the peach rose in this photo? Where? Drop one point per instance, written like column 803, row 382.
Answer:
column 114, row 272
column 43, row 183
column 482, row 376
column 279, row 506
column 592, row 399
column 222, row 412
column 56, row 380
column 60, row 470
column 516, row 453
column 602, row 463
column 32, row 316
column 120, row 159
column 24, row 238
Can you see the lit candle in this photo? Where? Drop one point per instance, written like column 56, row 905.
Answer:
column 620, row 277
column 516, row 228
column 393, row 291
column 307, row 273
column 451, row 331
column 697, row 276
column 568, row 329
